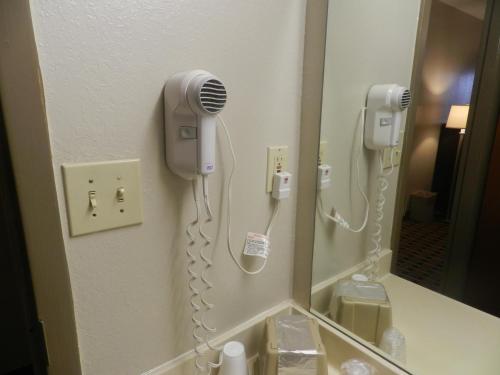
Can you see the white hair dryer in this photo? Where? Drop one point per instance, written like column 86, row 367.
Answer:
column 192, row 101
column 384, row 105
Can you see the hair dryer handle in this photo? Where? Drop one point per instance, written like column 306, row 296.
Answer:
column 396, row 129
column 206, row 144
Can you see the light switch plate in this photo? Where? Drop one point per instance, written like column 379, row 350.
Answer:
column 115, row 187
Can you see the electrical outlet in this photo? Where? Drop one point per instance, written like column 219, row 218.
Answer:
column 322, row 152
column 396, row 158
column 277, row 161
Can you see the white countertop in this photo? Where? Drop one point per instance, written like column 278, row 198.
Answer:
column 443, row 336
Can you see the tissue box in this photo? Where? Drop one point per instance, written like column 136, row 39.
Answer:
column 293, row 346
column 362, row 307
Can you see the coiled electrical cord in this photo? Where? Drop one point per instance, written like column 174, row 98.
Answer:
column 207, row 259
column 200, row 297
column 373, row 266
column 195, row 292
column 201, row 330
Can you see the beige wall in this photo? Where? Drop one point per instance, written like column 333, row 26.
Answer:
column 451, row 50
column 103, row 65
column 361, row 51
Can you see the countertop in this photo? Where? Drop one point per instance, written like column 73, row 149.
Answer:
column 443, row 336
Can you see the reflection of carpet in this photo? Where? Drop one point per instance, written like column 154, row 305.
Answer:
column 422, row 253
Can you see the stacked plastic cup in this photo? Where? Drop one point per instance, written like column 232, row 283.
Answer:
column 356, row 367
column 394, row 343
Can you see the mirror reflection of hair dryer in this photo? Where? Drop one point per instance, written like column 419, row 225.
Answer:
column 379, row 127
column 384, row 106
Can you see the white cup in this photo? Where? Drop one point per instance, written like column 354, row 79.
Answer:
column 394, row 343
column 234, row 359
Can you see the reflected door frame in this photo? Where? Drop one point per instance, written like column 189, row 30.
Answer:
column 474, row 162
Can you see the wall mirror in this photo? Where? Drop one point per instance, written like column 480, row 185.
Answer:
column 389, row 266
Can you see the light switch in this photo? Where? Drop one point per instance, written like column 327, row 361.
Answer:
column 102, row 195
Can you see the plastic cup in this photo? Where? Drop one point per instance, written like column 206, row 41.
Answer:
column 356, row 367
column 394, row 343
column 234, row 359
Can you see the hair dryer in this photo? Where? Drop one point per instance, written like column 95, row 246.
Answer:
column 384, row 105
column 192, row 101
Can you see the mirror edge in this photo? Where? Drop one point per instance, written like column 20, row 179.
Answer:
column 310, row 128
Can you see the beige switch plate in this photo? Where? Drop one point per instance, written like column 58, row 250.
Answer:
column 105, row 179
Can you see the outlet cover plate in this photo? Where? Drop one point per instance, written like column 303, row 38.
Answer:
column 106, row 180
column 396, row 159
column 323, row 145
column 277, row 161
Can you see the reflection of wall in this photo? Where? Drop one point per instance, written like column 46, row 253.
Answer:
column 450, row 57
column 104, row 64
column 368, row 42
column 423, row 157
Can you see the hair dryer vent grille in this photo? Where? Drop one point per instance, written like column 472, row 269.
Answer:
column 213, row 96
column 404, row 101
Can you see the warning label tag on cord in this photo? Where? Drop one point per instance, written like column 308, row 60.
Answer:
column 257, row 245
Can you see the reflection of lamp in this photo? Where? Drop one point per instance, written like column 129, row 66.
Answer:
column 457, row 119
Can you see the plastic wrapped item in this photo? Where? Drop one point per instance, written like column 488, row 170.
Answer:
column 293, row 347
column 394, row 343
column 356, row 367
column 362, row 307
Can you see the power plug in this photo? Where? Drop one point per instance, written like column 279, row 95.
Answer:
column 324, row 173
column 281, row 185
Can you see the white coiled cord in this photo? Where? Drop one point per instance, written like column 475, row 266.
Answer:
column 229, row 204
column 207, row 259
column 200, row 297
column 337, row 218
column 372, row 268
column 195, row 292
column 201, row 330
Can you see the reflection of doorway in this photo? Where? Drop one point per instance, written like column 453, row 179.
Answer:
column 425, row 228
column 450, row 55
column 470, row 264
column 453, row 272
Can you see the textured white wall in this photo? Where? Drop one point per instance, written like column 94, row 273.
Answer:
column 368, row 42
column 104, row 64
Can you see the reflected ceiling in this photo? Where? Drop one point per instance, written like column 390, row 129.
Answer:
column 475, row 8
